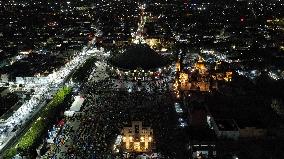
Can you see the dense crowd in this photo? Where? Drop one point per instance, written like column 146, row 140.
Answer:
column 110, row 104
column 107, row 109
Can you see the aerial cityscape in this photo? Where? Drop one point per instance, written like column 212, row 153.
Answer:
column 142, row 79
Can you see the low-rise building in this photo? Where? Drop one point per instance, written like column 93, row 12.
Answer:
column 251, row 129
column 226, row 128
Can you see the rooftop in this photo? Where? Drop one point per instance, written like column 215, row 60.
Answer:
column 139, row 56
column 226, row 125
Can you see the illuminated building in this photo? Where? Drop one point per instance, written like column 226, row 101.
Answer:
column 184, row 82
column 178, row 66
column 202, row 80
column 200, row 66
column 220, row 73
column 137, row 138
column 229, row 75
column 204, row 86
column 152, row 42
column 198, row 79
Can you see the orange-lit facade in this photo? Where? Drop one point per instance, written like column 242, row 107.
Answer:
column 137, row 138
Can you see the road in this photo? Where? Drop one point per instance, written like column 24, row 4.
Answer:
column 30, row 108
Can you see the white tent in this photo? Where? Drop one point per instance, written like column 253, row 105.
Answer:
column 69, row 113
column 76, row 105
column 50, row 141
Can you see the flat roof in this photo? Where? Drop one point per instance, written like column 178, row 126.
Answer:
column 76, row 105
column 226, row 125
column 242, row 123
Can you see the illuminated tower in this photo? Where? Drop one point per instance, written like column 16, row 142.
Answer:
column 200, row 65
column 184, row 82
column 178, row 66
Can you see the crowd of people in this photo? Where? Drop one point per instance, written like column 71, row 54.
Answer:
column 107, row 109
column 110, row 104
column 42, row 93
